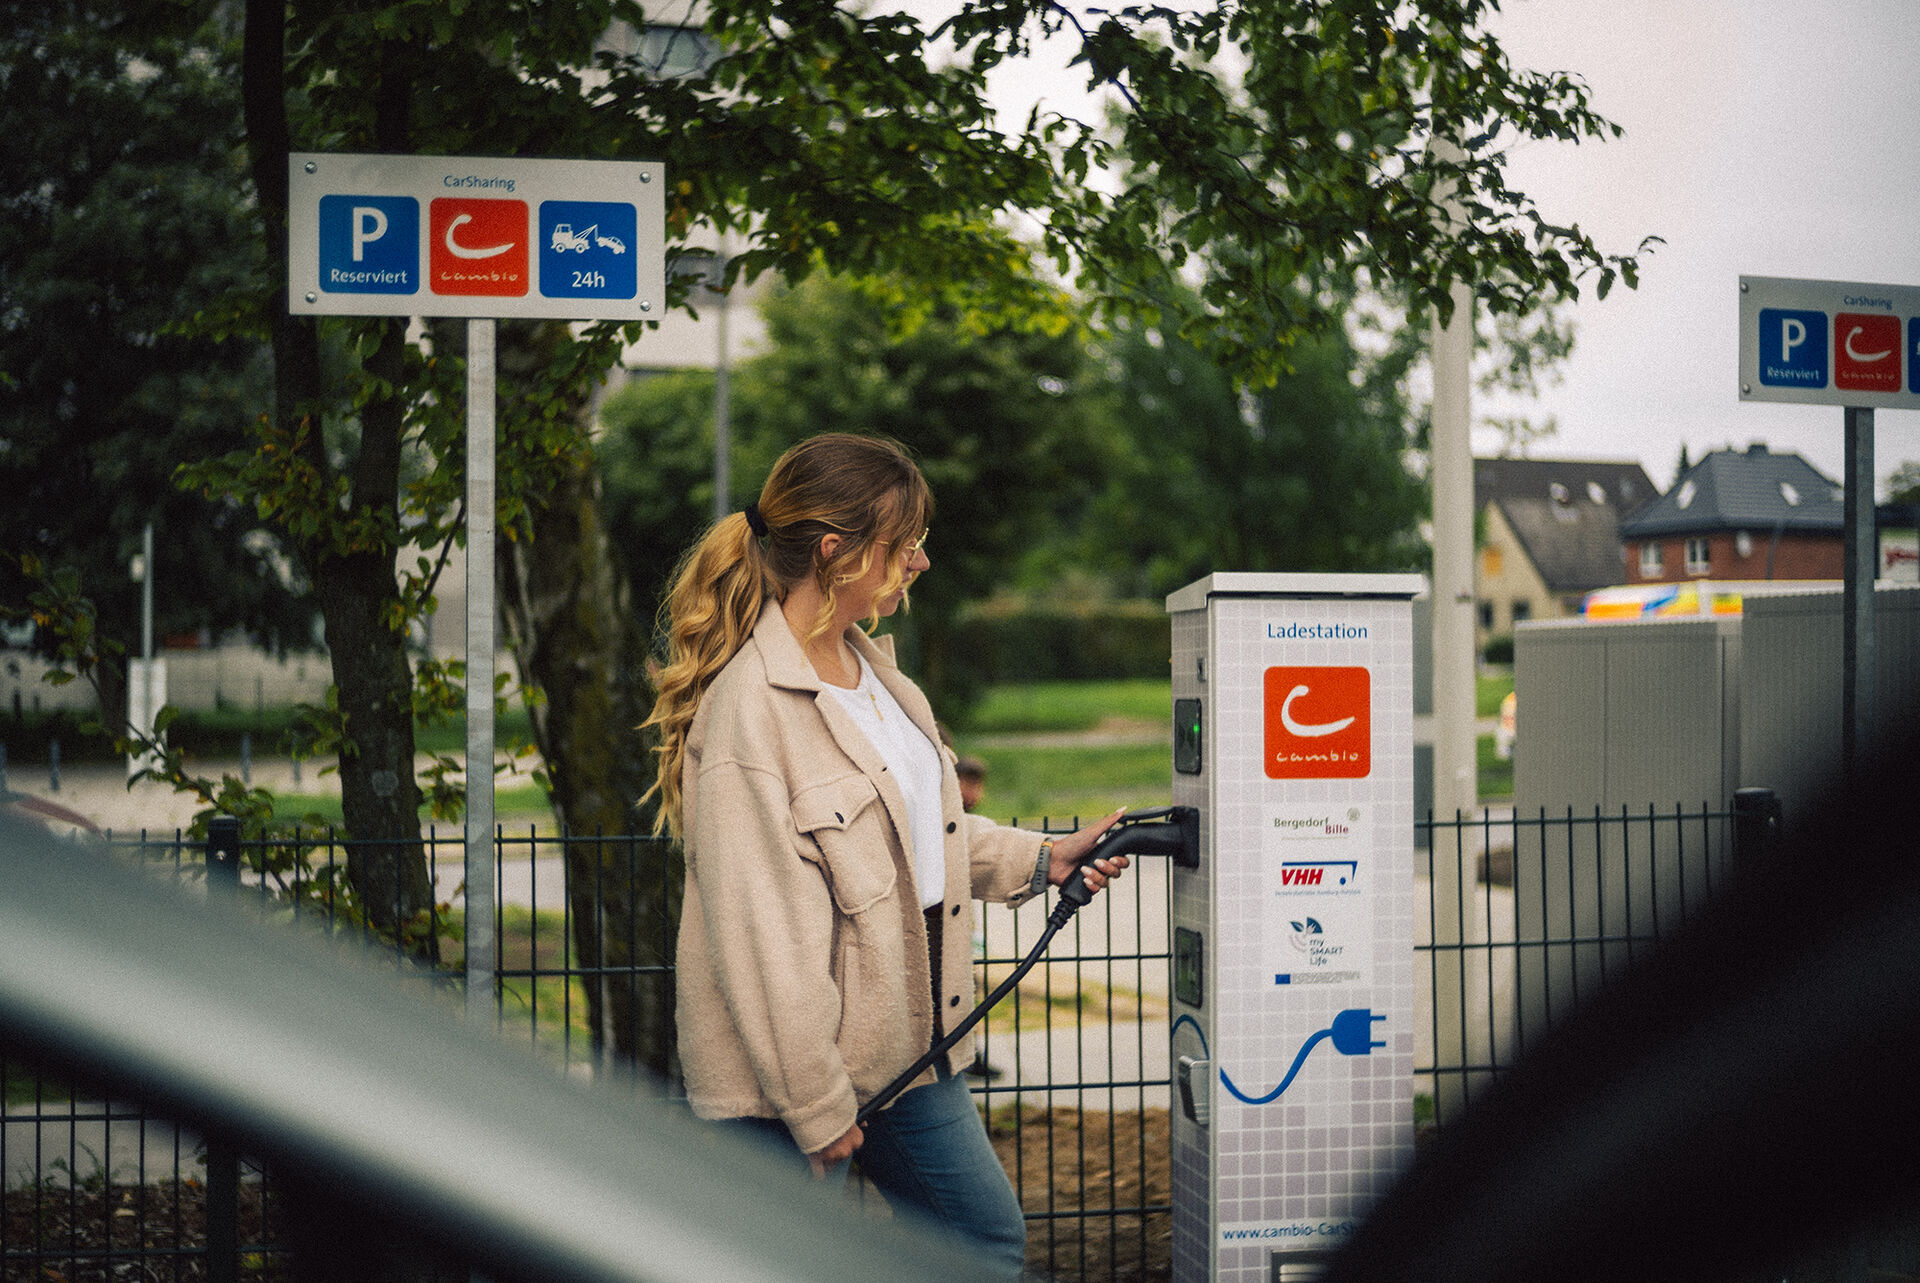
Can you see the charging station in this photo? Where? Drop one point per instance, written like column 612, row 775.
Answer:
column 1293, row 969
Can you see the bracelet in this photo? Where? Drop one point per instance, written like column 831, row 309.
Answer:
column 1041, row 867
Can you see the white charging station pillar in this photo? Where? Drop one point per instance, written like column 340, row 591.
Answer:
column 1293, row 968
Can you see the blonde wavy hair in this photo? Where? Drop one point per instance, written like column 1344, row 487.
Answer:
column 865, row 489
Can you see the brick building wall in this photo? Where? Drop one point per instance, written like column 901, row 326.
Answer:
column 1796, row 556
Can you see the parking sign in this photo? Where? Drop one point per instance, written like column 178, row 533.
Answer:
column 369, row 244
column 1829, row 343
column 471, row 236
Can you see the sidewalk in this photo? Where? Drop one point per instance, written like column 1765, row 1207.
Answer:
column 100, row 792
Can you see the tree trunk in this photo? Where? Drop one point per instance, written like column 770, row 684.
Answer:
column 569, row 621
column 358, row 591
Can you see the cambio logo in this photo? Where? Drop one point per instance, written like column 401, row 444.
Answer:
column 1319, row 723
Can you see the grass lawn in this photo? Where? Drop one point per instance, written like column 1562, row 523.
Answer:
column 1070, row 706
column 1032, row 782
column 1496, row 776
column 1490, row 686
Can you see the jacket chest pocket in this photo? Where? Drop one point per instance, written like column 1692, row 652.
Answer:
column 845, row 822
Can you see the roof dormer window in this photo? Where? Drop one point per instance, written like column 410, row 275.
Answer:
column 1562, row 502
column 1687, row 491
column 1788, row 493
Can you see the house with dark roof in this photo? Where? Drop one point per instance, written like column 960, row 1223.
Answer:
column 1550, row 534
column 1740, row 515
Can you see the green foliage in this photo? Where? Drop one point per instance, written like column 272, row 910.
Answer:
column 1904, row 485
column 122, row 216
column 1014, row 640
column 656, row 469
column 822, row 139
column 1071, row 706
column 1311, row 473
column 996, row 414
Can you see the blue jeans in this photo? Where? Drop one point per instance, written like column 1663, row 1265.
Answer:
column 929, row 1155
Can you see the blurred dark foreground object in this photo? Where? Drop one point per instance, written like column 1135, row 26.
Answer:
column 407, row 1143
column 1745, row 1105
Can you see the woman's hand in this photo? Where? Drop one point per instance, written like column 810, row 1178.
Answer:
column 1071, row 849
column 822, row 1161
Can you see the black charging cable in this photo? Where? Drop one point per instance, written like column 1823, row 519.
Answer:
column 1164, row 830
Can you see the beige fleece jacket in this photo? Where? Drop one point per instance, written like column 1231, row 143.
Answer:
column 802, row 964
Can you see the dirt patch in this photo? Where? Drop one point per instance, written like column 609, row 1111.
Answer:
column 1095, row 1184
column 100, row 1233
column 1101, row 1185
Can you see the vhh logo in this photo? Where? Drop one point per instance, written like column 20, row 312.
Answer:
column 1319, row 723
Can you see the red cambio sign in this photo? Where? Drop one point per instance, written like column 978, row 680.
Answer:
column 1319, row 723
column 477, row 247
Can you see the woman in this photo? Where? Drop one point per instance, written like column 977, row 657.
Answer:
column 826, row 935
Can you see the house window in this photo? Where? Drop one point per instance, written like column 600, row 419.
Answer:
column 1486, row 616
column 1650, row 559
column 1699, row 557
column 1522, row 611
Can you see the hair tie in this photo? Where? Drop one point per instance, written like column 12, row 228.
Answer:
column 756, row 522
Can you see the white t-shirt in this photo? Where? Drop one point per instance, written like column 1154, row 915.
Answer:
column 914, row 763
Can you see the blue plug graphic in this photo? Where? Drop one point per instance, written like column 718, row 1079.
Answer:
column 1352, row 1034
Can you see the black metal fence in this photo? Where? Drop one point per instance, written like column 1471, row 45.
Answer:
column 1526, row 916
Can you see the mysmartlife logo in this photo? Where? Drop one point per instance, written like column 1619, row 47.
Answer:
column 1319, row 723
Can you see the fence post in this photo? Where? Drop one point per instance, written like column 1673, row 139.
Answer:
column 1756, row 823
column 223, row 1160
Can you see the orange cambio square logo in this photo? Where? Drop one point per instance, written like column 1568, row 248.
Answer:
column 1319, row 723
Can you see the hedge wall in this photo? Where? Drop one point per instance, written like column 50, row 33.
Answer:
column 1014, row 641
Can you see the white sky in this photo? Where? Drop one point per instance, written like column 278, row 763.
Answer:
column 1762, row 139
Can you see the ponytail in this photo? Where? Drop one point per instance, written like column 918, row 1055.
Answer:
column 709, row 612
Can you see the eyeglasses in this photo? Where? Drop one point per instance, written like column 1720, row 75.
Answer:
column 915, row 545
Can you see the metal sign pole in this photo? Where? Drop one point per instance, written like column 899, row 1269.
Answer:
column 1862, row 566
column 481, row 944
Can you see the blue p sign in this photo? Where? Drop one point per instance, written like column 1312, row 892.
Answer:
column 369, row 244
column 1793, row 348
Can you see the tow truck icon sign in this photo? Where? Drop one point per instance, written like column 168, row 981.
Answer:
column 584, row 249
column 566, row 240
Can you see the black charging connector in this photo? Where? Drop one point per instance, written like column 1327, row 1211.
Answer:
column 1171, row 831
